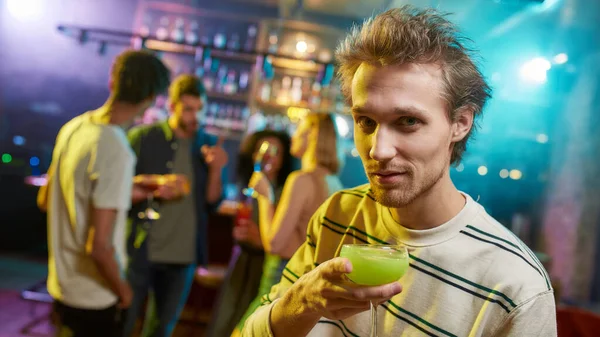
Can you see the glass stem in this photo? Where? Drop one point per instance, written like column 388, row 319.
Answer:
column 373, row 320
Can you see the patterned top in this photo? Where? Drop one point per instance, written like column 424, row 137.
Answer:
column 467, row 277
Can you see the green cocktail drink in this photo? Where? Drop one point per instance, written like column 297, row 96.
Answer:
column 374, row 265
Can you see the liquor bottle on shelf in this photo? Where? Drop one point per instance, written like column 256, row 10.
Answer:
column 273, row 42
column 192, row 35
column 162, row 32
column 256, row 122
column 324, row 56
column 306, row 92
column 244, row 80
column 283, row 96
column 232, row 78
column 205, row 38
column 178, row 33
column 236, row 124
column 250, row 43
column 218, row 116
column 207, row 77
column 277, row 123
column 296, row 92
column 230, row 86
column 211, row 114
column 225, row 116
column 325, row 98
column 275, row 89
column 245, row 114
column 315, row 97
column 221, row 78
column 228, row 120
column 265, row 90
column 285, row 122
column 219, row 40
column 234, row 42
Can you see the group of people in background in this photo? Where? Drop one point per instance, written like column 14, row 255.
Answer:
column 128, row 206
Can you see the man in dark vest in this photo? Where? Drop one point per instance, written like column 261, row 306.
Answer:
column 164, row 252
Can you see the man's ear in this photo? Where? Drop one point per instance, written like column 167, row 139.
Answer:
column 462, row 123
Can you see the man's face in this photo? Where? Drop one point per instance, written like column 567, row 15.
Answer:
column 402, row 129
column 188, row 111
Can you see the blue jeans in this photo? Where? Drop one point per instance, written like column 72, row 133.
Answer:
column 167, row 287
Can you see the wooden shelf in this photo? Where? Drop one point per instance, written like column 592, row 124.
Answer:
column 241, row 98
column 272, row 106
column 277, row 106
column 307, row 66
column 233, row 55
column 225, row 133
column 174, row 47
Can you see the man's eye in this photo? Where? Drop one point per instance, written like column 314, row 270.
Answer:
column 409, row 121
column 365, row 122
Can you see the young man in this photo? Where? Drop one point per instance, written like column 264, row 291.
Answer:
column 164, row 252
column 87, row 198
column 414, row 93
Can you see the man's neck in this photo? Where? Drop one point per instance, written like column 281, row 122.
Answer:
column 118, row 113
column 435, row 207
column 177, row 132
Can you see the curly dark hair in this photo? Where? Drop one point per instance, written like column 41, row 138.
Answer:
column 186, row 85
column 245, row 165
column 138, row 75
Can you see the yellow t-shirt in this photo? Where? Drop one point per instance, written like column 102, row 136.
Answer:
column 94, row 166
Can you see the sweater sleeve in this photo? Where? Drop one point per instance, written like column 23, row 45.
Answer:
column 535, row 317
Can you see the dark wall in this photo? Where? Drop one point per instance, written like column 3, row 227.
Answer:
column 46, row 79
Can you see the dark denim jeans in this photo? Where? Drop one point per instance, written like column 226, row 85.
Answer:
column 167, row 287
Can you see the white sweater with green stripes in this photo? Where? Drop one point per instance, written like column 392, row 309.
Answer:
column 468, row 277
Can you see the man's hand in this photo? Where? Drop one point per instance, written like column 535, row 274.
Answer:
column 125, row 295
column 168, row 191
column 325, row 292
column 215, row 156
column 248, row 232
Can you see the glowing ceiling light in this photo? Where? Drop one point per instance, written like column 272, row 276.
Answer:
column 301, row 46
column 504, row 173
column 25, row 10
column 535, row 70
column 561, row 58
column 482, row 170
column 542, row 138
column 515, row 174
column 460, row 168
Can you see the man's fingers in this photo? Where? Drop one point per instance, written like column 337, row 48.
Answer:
column 336, row 268
column 377, row 293
column 204, row 149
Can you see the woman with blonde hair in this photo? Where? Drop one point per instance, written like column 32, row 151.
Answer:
column 283, row 228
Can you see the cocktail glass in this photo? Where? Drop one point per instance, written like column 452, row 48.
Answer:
column 375, row 265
